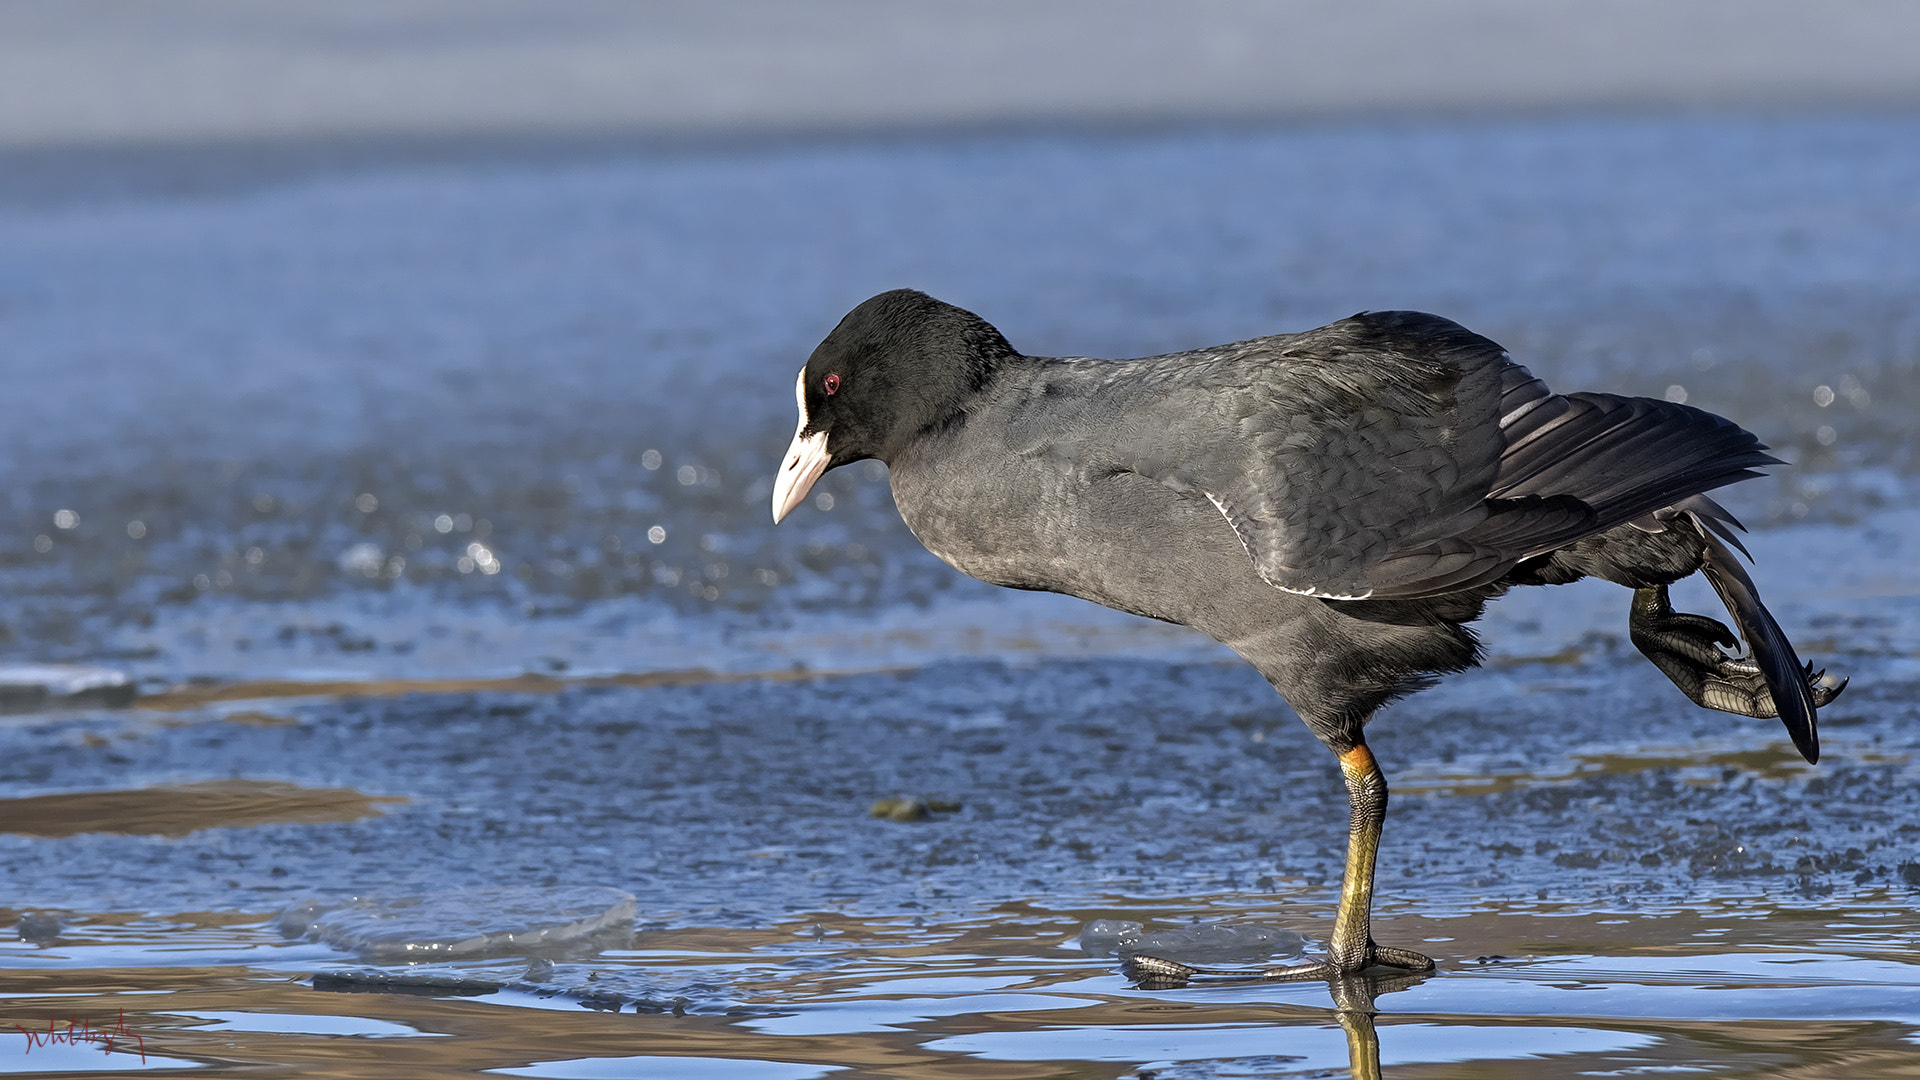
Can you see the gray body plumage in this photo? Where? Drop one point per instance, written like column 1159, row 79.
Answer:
column 1333, row 505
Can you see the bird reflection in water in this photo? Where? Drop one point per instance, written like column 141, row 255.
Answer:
column 1354, row 998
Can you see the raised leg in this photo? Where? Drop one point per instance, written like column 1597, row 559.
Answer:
column 1352, row 948
column 1687, row 649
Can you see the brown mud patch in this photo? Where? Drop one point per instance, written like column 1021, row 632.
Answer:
column 179, row 809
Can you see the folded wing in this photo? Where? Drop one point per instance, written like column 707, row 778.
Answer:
column 1397, row 454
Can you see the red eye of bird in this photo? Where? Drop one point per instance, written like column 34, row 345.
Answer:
column 831, row 384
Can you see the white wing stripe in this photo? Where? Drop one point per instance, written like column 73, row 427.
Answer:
column 1220, row 505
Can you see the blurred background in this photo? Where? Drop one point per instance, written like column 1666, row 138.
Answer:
column 93, row 73
column 319, row 321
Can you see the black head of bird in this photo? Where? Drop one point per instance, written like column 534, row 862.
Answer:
column 896, row 366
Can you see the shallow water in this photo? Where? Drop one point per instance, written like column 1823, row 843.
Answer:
column 1729, row 989
column 253, row 430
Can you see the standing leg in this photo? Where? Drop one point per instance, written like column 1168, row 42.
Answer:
column 1352, row 949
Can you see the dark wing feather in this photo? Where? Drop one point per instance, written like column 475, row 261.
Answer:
column 1716, row 519
column 1623, row 457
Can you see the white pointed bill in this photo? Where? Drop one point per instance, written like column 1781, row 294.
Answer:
column 805, row 460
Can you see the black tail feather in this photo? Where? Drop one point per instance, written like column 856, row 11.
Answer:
column 1786, row 679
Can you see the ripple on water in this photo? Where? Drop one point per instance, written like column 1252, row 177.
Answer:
column 972, row 992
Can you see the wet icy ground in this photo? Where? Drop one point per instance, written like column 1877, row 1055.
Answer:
column 357, row 477
column 743, row 803
column 1609, row 880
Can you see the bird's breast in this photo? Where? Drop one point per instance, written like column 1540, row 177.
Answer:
column 996, row 516
column 1042, row 522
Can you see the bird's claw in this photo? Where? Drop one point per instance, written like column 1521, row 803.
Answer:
column 1823, row 691
column 1687, row 648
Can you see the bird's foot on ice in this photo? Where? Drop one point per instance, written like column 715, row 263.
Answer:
column 1160, row 973
column 1688, row 649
